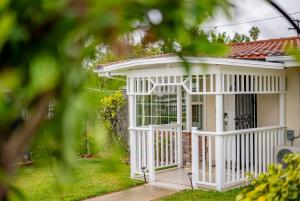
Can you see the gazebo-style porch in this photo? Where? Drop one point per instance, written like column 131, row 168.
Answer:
column 221, row 119
column 225, row 110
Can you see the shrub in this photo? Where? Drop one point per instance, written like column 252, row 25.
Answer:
column 111, row 108
column 278, row 184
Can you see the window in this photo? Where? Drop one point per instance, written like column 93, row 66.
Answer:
column 197, row 111
column 156, row 109
column 159, row 109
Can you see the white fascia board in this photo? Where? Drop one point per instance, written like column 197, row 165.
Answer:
column 279, row 58
column 139, row 63
column 288, row 61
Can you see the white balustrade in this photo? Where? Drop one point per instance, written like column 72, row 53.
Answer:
column 155, row 147
column 244, row 151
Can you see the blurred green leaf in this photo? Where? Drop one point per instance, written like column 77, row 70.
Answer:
column 44, row 73
column 7, row 22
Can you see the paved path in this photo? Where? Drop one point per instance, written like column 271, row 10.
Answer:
column 140, row 193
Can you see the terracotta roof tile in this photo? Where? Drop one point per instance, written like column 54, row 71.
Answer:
column 256, row 50
column 261, row 49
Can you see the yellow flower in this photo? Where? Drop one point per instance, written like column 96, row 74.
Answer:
column 261, row 198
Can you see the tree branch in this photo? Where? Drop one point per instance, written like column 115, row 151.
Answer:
column 17, row 144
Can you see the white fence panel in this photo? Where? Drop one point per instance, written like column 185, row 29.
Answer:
column 156, row 146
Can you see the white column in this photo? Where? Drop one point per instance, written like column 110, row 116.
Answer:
column 282, row 108
column 151, row 160
column 195, row 157
column 179, row 104
column 219, row 139
column 188, row 111
column 179, row 121
column 132, row 134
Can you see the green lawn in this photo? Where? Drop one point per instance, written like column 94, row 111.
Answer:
column 200, row 195
column 91, row 177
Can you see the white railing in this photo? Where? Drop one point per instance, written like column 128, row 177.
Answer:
column 241, row 152
column 155, row 147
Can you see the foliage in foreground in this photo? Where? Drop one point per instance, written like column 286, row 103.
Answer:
column 200, row 195
column 277, row 184
column 92, row 177
column 43, row 46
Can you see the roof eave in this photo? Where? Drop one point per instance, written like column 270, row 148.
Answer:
column 287, row 61
column 193, row 60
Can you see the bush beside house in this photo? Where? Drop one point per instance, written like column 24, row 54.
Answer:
column 278, row 184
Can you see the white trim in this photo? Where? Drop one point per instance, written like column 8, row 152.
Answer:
column 288, row 61
column 279, row 58
column 241, row 131
column 142, row 62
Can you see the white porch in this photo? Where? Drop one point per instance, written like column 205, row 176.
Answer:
column 236, row 142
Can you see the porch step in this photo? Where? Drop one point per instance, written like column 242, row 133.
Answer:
column 171, row 186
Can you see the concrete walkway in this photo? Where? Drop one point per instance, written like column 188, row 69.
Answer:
column 141, row 193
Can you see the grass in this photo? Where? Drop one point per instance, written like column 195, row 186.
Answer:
column 92, row 177
column 200, row 195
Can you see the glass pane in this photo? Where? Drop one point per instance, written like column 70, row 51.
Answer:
column 138, row 120
column 173, row 120
column 155, row 120
column 147, row 121
column 197, row 98
column 197, row 116
column 156, row 109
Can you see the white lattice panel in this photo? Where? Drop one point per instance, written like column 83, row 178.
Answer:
column 205, row 84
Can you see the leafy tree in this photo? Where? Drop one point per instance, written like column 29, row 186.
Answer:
column 254, row 33
column 239, row 38
column 222, row 38
column 277, row 184
column 43, row 44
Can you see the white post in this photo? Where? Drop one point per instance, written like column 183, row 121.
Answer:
column 179, row 129
column 219, row 150
column 188, row 111
column 195, row 156
column 132, row 144
column 151, row 160
column 179, row 105
column 132, row 135
column 282, row 109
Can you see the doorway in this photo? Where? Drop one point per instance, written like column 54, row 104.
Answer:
column 245, row 111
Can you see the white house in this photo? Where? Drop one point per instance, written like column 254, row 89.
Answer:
column 223, row 118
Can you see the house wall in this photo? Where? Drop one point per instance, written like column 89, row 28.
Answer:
column 210, row 113
column 293, row 102
column 267, row 110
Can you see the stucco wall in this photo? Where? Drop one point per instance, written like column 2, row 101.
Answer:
column 267, row 110
column 293, row 102
column 210, row 113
